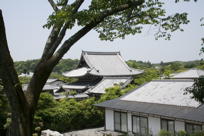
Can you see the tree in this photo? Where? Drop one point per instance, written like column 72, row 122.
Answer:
column 112, row 19
column 197, row 89
column 5, row 111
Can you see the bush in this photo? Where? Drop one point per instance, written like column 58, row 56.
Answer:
column 165, row 133
column 66, row 115
column 181, row 133
column 198, row 134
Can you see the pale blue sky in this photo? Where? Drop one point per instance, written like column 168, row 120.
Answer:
column 26, row 37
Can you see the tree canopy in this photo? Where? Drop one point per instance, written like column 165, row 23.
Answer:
column 197, row 90
column 112, row 19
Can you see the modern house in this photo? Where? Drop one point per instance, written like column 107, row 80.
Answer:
column 155, row 106
column 100, row 70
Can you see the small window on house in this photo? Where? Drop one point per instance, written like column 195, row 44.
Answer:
column 191, row 128
column 120, row 121
column 139, row 125
column 168, row 125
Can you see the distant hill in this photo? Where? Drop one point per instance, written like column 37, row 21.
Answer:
column 29, row 65
column 69, row 64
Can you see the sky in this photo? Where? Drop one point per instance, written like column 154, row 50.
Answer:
column 26, row 36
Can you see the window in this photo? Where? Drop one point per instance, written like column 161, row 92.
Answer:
column 168, row 125
column 139, row 125
column 191, row 128
column 120, row 121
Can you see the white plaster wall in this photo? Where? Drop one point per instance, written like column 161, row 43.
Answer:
column 179, row 126
column 154, row 125
column 129, row 122
column 109, row 119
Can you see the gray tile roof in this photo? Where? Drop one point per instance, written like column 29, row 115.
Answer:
column 190, row 74
column 108, row 64
column 196, row 114
column 170, row 92
column 46, row 87
column 77, row 72
column 80, row 87
column 171, row 111
column 108, row 82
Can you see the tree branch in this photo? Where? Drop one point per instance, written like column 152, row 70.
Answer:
column 77, row 4
column 54, row 6
column 73, row 39
column 51, row 39
column 43, row 70
column 57, row 34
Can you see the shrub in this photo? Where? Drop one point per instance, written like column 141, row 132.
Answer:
column 198, row 134
column 181, row 133
column 164, row 133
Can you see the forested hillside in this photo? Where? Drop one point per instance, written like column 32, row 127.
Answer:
column 29, row 65
column 69, row 64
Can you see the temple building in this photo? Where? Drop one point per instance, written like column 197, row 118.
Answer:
column 100, row 70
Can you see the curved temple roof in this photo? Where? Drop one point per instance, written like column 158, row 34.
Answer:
column 77, row 72
column 103, row 64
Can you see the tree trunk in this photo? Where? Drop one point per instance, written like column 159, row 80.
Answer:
column 21, row 124
column 22, row 113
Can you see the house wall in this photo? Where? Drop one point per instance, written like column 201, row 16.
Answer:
column 129, row 122
column 154, row 125
column 179, row 126
column 109, row 120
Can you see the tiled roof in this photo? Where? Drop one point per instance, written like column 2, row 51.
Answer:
column 190, row 74
column 102, row 64
column 108, row 64
column 77, row 72
column 107, row 83
column 171, row 111
column 169, row 92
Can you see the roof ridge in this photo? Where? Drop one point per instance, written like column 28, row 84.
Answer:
column 172, row 80
column 170, row 105
column 101, row 53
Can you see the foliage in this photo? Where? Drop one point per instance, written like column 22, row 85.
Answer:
column 138, row 64
column 111, row 93
column 66, row 115
column 181, row 133
column 62, row 78
column 165, row 133
column 197, row 89
column 66, row 65
column 165, row 71
column 175, row 66
column 148, row 75
column 128, row 22
column 198, row 134
column 29, row 65
column 24, row 80
column 25, row 66
column 69, row 114
column 202, row 39
column 132, row 21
